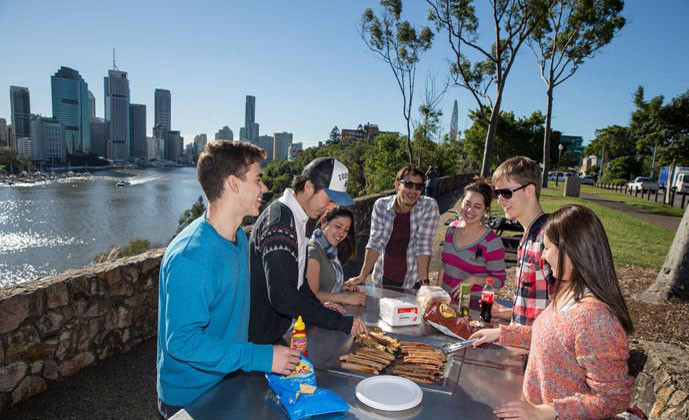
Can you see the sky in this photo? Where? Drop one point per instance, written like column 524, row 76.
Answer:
column 307, row 65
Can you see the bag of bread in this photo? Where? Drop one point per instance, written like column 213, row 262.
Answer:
column 444, row 318
column 431, row 294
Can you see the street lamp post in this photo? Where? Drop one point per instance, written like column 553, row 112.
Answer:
column 559, row 153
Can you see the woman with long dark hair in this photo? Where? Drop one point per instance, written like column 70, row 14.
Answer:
column 577, row 366
column 332, row 245
column 472, row 252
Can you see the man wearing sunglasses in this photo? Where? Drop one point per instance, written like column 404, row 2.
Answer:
column 517, row 187
column 403, row 226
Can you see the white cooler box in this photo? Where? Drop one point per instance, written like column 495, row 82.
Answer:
column 399, row 312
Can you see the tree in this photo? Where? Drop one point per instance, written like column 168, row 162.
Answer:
column 383, row 162
column 513, row 22
column 430, row 116
column 673, row 278
column 514, row 137
column 335, row 135
column 616, row 140
column 662, row 126
column 621, row 168
column 191, row 214
column 572, row 31
column 399, row 45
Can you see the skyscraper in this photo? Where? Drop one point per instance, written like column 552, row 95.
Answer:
column 97, row 133
column 47, row 139
column 174, row 144
column 200, row 142
column 294, row 150
column 70, row 107
column 137, row 132
column 281, row 144
column 116, row 87
column 224, row 133
column 453, row 123
column 250, row 129
column 4, row 136
column 20, row 107
column 266, row 143
column 92, row 105
column 163, row 109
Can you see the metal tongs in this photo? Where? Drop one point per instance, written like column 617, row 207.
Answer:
column 453, row 347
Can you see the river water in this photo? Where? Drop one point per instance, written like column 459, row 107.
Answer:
column 48, row 228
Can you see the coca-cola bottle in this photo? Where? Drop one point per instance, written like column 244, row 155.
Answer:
column 487, row 296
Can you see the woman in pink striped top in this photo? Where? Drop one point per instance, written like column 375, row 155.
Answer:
column 577, row 365
column 472, row 252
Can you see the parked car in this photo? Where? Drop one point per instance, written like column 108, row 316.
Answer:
column 643, row 183
column 588, row 180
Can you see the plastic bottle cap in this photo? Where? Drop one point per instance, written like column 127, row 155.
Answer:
column 489, row 280
column 299, row 325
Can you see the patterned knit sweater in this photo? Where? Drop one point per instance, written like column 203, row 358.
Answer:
column 577, row 361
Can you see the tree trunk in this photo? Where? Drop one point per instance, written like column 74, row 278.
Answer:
column 492, row 128
column 409, row 149
column 673, row 278
column 546, row 137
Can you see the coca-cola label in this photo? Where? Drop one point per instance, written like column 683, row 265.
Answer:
column 487, row 297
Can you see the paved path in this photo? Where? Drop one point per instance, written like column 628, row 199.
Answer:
column 667, row 222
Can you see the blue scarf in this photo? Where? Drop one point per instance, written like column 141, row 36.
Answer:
column 331, row 252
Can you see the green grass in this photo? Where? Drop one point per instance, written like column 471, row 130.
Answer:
column 640, row 203
column 633, row 241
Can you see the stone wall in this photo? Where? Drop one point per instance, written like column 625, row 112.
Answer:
column 52, row 327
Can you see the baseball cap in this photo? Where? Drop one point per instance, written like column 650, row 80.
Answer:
column 331, row 174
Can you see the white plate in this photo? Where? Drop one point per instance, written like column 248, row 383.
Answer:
column 389, row 393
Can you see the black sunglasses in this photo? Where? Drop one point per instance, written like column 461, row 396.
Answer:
column 507, row 193
column 410, row 184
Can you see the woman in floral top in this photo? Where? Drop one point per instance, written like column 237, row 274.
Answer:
column 577, row 366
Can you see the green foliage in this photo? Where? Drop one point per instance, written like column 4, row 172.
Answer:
column 514, row 137
column 621, row 168
column 665, row 125
column 191, row 214
column 617, row 141
column 399, row 44
column 592, row 170
column 383, row 162
column 135, row 247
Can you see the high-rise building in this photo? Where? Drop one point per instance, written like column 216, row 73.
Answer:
column 156, row 148
column 20, row 107
column 4, row 135
column 224, row 133
column 71, row 107
column 281, row 143
column 116, row 87
column 163, row 109
column 174, row 145
column 97, row 133
column 293, row 150
column 24, row 148
column 200, row 142
column 266, row 143
column 47, row 139
column 137, row 132
column 250, row 130
column 92, row 105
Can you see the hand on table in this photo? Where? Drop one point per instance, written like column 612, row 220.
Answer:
column 486, row 335
column 334, row 307
column 522, row 410
column 501, row 311
column 354, row 282
column 358, row 326
column 285, row 360
column 355, row 298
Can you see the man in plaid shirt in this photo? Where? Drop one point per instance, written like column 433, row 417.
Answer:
column 403, row 226
column 518, row 187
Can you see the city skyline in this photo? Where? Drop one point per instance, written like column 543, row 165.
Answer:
column 312, row 71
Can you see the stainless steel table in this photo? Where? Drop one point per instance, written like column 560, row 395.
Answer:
column 487, row 377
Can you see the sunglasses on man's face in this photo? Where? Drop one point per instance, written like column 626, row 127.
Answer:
column 410, row 185
column 507, row 193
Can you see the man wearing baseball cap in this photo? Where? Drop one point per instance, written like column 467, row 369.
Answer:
column 277, row 256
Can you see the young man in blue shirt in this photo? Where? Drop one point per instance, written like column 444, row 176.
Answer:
column 204, row 295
